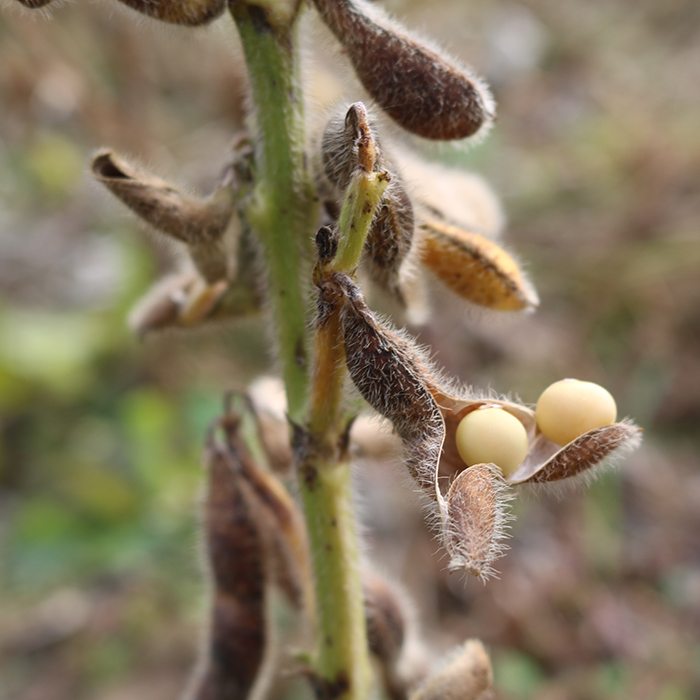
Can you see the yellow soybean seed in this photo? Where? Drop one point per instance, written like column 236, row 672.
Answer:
column 492, row 435
column 569, row 408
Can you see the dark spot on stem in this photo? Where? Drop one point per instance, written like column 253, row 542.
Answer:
column 258, row 17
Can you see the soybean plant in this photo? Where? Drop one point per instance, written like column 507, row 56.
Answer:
column 312, row 213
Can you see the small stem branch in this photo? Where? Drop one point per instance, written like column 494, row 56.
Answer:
column 361, row 201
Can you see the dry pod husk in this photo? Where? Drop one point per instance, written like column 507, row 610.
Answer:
column 238, row 635
column 475, row 268
column 191, row 13
column 400, row 384
column 198, row 223
column 255, row 538
column 391, row 234
column 389, row 633
column 278, row 518
column 423, row 92
column 467, row 677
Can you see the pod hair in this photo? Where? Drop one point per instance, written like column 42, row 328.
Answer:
column 418, row 88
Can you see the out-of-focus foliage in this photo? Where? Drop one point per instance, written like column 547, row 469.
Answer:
column 597, row 153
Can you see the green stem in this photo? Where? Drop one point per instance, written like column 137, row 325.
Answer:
column 342, row 666
column 282, row 209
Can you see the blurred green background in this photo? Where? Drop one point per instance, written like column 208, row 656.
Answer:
column 596, row 154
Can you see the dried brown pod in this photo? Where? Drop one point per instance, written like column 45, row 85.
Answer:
column 387, row 630
column 476, row 520
column 422, row 91
column 191, row 13
column 255, row 537
column 277, row 515
column 398, row 382
column 467, row 677
column 391, row 234
column 238, row 635
column 198, row 223
column 474, row 267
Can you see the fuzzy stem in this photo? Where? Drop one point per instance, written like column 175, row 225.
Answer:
column 282, row 209
column 282, row 212
column 342, row 667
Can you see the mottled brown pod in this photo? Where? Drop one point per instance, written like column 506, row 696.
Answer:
column 418, row 88
column 474, row 267
column 236, row 641
column 254, row 537
column 277, row 516
column 191, row 13
column 391, row 235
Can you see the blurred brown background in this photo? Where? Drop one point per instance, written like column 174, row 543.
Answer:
column 597, row 157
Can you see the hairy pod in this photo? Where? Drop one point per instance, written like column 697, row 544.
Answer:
column 476, row 520
column 199, row 224
column 391, row 234
column 399, row 383
column 418, row 88
column 237, row 636
column 386, row 624
column 392, row 378
column 475, row 268
column 255, row 537
column 390, row 634
column 467, row 677
column 191, row 13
